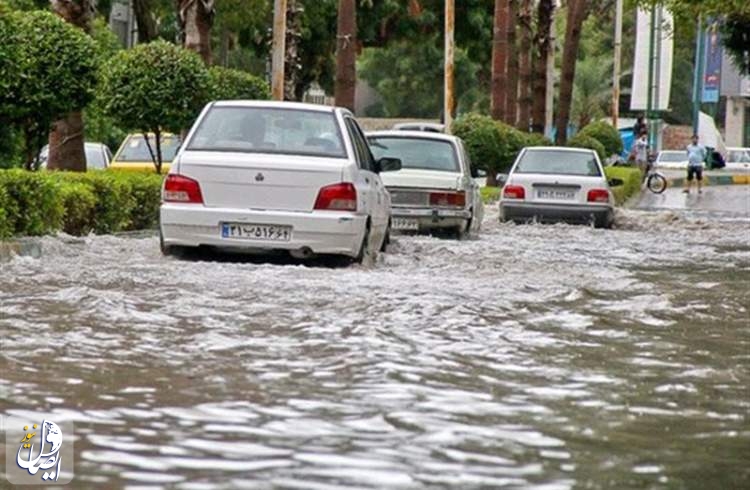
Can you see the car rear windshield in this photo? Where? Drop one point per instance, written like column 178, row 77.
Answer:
column 417, row 153
column 738, row 156
column 135, row 150
column 269, row 130
column 673, row 156
column 558, row 162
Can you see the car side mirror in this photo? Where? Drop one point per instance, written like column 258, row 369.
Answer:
column 388, row 164
column 501, row 179
column 616, row 182
column 478, row 173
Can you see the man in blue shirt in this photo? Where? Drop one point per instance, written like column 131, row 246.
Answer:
column 696, row 156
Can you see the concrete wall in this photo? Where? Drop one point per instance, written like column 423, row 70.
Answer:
column 735, row 122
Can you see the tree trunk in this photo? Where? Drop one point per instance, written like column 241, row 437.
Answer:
column 292, row 67
column 577, row 12
column 346, row 54
column 500, row 60
column 196, row 18
column 511, row 96
column 66, row 139
column 545, row 16
column 524, row 88
column 144, row 19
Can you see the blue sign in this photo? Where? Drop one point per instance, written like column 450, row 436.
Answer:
column 712, row 66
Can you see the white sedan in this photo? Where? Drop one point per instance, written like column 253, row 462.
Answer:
column 558, row 184
column 262, row 176
column 674, row 159
column 434, row 190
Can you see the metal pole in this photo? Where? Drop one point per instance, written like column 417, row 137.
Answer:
column 698, row 75
column 278, row 49
column 651, row 62
column 448, row 95
column 618, row 63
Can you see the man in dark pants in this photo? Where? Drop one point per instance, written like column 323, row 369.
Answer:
column 696, row 156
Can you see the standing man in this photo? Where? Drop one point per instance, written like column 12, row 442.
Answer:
column 696, row 156
column 640, row 151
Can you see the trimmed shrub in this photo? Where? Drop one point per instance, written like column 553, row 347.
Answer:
column 491, row 145
column 146, row 192
column 33, row 201
column 79, row 203
column 583, row 141
column 6, row 226
column 230, row 84
column 536, row 139
column 631, row 177
column 114, row 198
column 607, row 135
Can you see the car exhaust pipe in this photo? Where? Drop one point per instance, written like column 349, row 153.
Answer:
column 302, row 253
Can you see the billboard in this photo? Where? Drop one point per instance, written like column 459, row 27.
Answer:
column 662, row 67
column 712, row 65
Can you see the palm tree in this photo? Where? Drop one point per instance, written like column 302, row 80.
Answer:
column 66, row 138
column 524, row 69
column 542, row 45
column 511, row 96
column 346, row 54
column 501, row 23
column 591, row 90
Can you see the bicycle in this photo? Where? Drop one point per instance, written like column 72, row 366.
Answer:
column 655, row 181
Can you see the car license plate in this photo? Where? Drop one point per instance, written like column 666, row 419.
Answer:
column 405, row 224
column 558, row 194
column 249, row 231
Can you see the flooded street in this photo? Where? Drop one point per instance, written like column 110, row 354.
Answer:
column 533, row 356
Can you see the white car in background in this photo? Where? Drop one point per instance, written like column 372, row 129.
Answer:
column 263, row 176
column 675, row 159
column 550, row 184
column 98, row 156
column 738, row 158
column 434, row 190
column 420, row 126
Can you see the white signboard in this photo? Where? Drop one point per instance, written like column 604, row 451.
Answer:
column 664, row 40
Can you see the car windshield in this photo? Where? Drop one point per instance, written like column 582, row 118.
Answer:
column 673, row 156
column 135, row 150
column 558, row 162
column 738, row 156
column 269, row 130
column 95, row 157
column 417, row 153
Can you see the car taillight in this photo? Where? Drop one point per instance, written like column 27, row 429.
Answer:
column 337, row 197
column 457, row 199
column 598, row 195
column 178, row 188
column 514, row 192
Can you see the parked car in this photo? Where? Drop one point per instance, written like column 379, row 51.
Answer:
column 276, row 176
column 420, row 126
column 676, row 159
column 558, row 184
column 435, row 189
column 98, row 156
column 738, row 158
column 134, row 154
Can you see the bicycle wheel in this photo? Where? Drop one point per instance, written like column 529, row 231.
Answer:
column 656, row 183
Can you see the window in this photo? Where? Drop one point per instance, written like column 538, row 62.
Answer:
column 417, row 153
column 269, row 130
column 364, row 156
column 135, row 150
column 558, row 162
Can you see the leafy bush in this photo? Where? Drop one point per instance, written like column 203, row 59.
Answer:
column 47, row 69
column 607, row 135
column 6, row 226
column 491, row 145
column 536, row 139
column 631, row 176
column 154, row 88
column 80, row 204
column 583, row 141
column 33, row 206
column 229, row 84
column 146, row 192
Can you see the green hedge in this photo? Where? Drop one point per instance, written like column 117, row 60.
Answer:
column 582, row 141
column 631, row 176
column 38, row 203
column 606, row 134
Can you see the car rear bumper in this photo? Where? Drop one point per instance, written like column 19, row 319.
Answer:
column 555, row 212
column 322, row 232
column 432, row 218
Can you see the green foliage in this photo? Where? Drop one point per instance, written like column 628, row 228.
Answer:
column 631, row 176
column 51, row 72
column 584, row 141
column 146, row 192
column 154, row 87
column 492, row 145
column 490, row 194
column 79, row 203
column 536, row 139
column 33, row 207
column 6, row 212
column 606, row 134
column 230, row 84
column 591, row 89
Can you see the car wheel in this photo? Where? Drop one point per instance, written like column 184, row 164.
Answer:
column 365, row 255
column 386, row 238
column 170, row 250
column 603, row 221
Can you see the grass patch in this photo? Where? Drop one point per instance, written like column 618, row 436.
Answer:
column 631, row 177
column 490, row 194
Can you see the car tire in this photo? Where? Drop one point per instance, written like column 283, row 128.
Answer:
column 170, row 250
column 386, row 238
column 364, row 249
column 603, row 221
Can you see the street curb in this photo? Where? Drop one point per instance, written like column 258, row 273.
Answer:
column 734, row 179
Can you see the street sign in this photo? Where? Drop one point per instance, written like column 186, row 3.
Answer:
column 712, row 66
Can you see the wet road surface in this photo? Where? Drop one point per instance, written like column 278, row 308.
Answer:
column 531, row 357
column 726, row 201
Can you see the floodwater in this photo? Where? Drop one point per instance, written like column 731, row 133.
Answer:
column 533, row 356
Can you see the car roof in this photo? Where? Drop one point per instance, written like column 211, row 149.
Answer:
column 671, row 151
column 560, row 148
column 275, row 104
column 408, row 134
